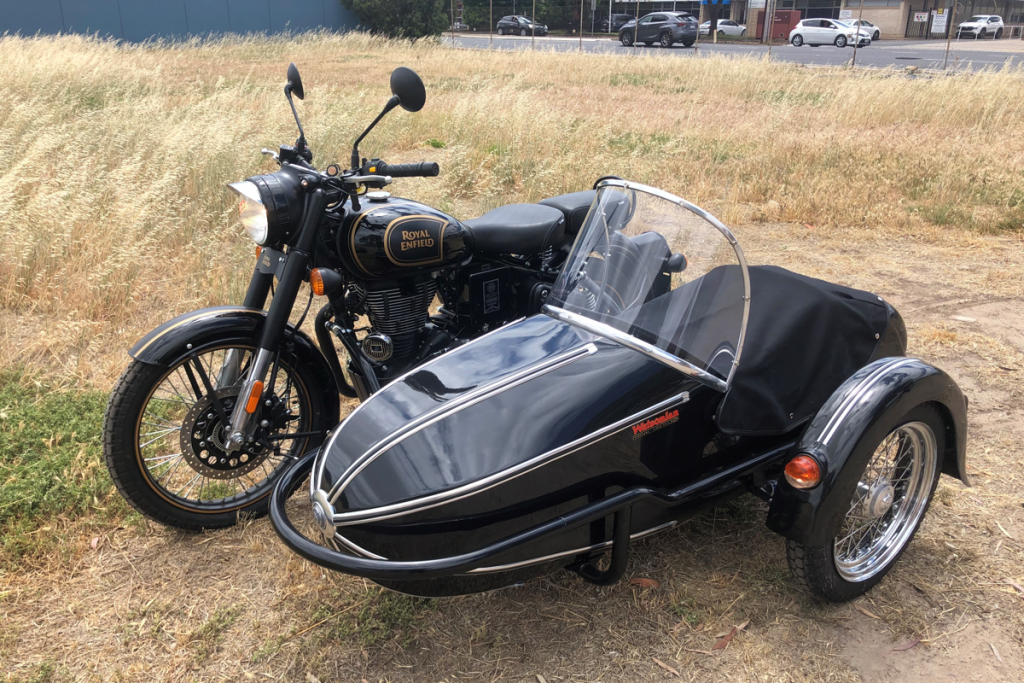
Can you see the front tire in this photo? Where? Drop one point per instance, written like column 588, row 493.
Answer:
column 164, row 473
column 501, row 31
column 840, row 41
column 877, row 36
column 904, row 467
column 999, row 34
column 797, row 40
column 626, row 39
column 981, row 34
column 522, row 32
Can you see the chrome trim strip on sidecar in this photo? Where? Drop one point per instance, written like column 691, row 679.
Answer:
column 620, row 337
column 317, row 475
column 341, row 540
column 555, row 556
column 726, row 232
column 466, row 400
column 450, row 496
column 856, row 395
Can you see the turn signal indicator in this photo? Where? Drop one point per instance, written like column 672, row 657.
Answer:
column 803, row 472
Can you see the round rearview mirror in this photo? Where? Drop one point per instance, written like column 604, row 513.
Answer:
column 408, row 88
column 295, row 81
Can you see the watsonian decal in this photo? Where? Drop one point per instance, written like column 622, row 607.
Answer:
column 642, row 429
column 415, row 240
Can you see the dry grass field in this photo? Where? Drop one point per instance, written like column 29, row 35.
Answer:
column 115, row 217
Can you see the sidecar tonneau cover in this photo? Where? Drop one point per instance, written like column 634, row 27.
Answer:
column 805, row 337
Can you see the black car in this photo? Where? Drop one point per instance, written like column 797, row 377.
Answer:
column 518, row 25
column 664, row 28
column 618, row 21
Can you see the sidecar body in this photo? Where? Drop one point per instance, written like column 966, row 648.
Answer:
column 664, row 376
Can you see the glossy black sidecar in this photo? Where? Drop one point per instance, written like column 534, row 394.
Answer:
column 663, row 377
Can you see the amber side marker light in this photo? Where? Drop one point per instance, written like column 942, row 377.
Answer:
column 803, row 472
column 316, row 281
column 254, row 397
column 259, row 250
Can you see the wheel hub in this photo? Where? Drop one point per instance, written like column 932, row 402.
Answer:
column 203, row 440
column 879, row 499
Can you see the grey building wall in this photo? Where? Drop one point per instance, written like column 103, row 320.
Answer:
column 137, row 20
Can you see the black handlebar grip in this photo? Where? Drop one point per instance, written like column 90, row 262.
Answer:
column 425, row 169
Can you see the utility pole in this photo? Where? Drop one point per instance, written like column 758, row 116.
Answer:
column 533, row 27
column 769, row 24
column 636, row 26
column 581, row 25
column 490, row 28
column 453, row 23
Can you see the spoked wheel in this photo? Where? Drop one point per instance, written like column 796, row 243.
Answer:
column 840, row 41
column 797, row 40
column 626, row 39
column 165, row 436
column 888, row 504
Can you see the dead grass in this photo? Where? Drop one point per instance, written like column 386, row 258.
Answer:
column 116, row 218
column 115, row 214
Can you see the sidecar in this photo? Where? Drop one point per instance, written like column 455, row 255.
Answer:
column 663, row 377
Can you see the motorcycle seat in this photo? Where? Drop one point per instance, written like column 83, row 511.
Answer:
column 574, row 206
column 517, row 229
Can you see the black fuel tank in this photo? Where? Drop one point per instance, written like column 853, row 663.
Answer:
column 400, row 236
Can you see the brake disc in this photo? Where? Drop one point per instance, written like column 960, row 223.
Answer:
column 203, row 440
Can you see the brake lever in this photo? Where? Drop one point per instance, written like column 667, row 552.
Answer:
column 384, row 179
column 271, row 153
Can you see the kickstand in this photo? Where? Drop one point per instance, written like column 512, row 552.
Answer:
column 620, row 554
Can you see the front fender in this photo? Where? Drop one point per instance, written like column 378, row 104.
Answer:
column 862, row 411
column 192, row 332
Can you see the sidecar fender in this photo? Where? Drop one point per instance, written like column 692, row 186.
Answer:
column 195, row 331
column 845, row 432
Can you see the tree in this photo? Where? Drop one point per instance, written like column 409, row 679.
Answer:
column 713, row 8
column 402, row 18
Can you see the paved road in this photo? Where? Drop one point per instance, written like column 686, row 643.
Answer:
column 884, row 53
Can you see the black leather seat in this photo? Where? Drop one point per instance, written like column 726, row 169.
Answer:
column 574, row 206
column 518, row 229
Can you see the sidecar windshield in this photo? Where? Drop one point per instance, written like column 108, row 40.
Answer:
column 657, row 274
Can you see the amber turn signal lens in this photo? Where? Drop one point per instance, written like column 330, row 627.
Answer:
column 803, row 472
column 254, row 397
column 316, row 281
column 259, row 250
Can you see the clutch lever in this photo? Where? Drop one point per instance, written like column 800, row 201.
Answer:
column 382, row 179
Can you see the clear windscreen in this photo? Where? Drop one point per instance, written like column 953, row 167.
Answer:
column 653, row 269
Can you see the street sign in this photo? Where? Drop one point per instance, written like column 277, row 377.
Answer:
column 846, row 14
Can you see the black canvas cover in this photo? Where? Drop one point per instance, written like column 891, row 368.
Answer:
column 804, row 338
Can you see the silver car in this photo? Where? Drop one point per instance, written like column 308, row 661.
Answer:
column 726, row 27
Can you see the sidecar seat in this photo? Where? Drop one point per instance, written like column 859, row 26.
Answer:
column 518, row 229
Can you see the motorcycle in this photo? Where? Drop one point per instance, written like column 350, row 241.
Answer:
column 217, row 402
column 662, row 377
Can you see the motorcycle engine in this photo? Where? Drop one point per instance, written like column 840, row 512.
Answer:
column 397, row 314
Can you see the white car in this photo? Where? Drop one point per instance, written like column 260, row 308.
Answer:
column 980, row 26
column 816, row 32
column 726, row 27
column 865, row 25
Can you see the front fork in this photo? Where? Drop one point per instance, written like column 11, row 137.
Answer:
column 241, row 427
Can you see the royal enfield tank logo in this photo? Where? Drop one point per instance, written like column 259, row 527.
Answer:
column 415, row 240
column 642, row 429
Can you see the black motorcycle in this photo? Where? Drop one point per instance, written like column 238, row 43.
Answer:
column 217, row 402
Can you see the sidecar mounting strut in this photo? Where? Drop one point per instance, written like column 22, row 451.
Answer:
column 620, row 554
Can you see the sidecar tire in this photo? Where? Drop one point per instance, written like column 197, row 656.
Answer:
column 814, row 566
column 130, row 396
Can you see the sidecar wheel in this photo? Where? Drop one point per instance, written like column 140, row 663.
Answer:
column 892, row 496
column 186, row 480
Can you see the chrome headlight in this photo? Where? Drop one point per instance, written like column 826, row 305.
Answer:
column 251, row 211
column 271, row 206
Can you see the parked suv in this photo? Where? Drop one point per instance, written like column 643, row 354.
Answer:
column 981, row 25
column 827, row 32
column 664, row 28
column 519, row 25
column 618, row 21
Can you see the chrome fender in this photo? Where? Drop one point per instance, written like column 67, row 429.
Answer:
column 841, row 437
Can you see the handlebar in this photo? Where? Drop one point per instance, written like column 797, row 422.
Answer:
column 425, row 169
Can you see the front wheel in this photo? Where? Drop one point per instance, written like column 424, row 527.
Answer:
column 999, row 34
column 888, row 504
column 626, row 39
column 743, row 33
column 981, row 34
column 840, row 41
column 877, row 36
column 522, row 32
column 501, row 31
column 164, row 436
column 797, row 40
